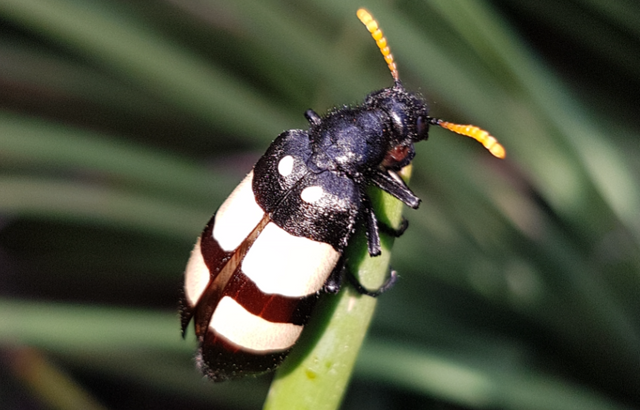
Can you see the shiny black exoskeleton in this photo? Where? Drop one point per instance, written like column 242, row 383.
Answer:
column 342, row 153
column 278, row 240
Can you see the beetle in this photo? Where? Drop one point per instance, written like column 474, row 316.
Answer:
column 278, row 241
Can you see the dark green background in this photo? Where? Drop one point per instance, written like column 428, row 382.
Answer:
column 123, row 125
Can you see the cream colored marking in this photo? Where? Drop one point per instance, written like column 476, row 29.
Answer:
column 288, row 265
column 196, row 276
column 312, row 194
column 237, row 216
column 249, row 331
column 285, row 166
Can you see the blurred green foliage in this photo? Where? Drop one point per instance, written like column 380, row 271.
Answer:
column 123, row 125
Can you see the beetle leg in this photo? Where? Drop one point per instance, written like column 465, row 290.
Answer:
column 391, row 231
column 312, row 117
column 371, row 225
column 388, row 284
column 334, row 281
column 395, row 187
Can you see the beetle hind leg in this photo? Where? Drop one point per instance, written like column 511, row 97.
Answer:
column 334, row 281
column 388, row 284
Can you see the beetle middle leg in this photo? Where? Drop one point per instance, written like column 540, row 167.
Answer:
column 334, row 282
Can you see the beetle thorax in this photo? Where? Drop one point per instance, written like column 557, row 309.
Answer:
column 349, row 141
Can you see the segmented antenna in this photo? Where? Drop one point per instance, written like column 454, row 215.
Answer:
column 478, row 134
column 372, row 25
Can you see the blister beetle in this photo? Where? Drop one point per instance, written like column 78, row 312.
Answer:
column 278, row 241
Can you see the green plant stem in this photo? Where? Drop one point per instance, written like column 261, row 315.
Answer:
column 316, row 374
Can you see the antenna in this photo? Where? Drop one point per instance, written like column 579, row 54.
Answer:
column 478, row 134
column 372, row 25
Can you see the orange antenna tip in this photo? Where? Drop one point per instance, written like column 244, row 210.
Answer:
column 372, row 26
column 478, row 134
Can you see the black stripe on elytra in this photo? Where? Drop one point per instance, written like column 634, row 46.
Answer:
column 272, row 307
column 222, row 266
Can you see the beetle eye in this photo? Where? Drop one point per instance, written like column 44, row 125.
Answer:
column 422, row 128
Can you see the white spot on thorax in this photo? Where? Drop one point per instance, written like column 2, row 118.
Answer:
column 252, row 332
column 312, row 194
column 285, row 166
column 281, row 263
column 237, row 216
